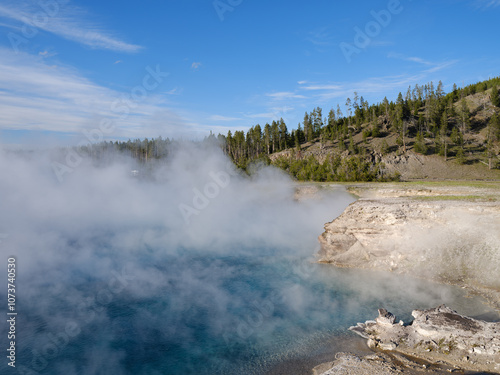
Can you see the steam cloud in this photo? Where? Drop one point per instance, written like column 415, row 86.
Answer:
column 103, row 238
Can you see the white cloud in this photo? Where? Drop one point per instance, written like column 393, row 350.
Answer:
column 374, row 85
column 67, row 22
column 320, row 37
column 58, row 98
column 441, row 66
column 433, row 66
column 274, row 113
column 264, row 115
column 174, row 91
column 488, row 3
column 285, row 95
column 400, row 56
column 46, row 54
column 223, row 118
column 322, row 87
column 196, row 65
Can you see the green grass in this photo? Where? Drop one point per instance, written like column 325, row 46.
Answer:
column 469, row 198
column 447, row 183
column 483, row 191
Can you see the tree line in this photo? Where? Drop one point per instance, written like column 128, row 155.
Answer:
column 437, row 122
column 426, row 117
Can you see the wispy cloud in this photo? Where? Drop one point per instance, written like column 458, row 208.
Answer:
column 68, row 22
column 46, row 54
column 223, row 118
column 196, row 65
column 485, row 4
column 441, row 66
column 10, row 26
column 56, row 98
column 274, row 114
column 285, row 95
column 400, row 56
column 322, row 87
column 432, row 66
column 174, row 91
column 263, row 115
column 375, row 85
column 320, row 37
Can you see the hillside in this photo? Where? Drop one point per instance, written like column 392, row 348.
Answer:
column 425, row 134
column 409, row 166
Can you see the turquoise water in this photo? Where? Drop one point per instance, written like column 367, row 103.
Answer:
column 112, row 277
column 198, row 314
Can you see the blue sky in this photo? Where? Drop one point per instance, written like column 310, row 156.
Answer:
column 185, row 68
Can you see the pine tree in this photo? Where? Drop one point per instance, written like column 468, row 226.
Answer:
column 495, row 99
column 348, row 107
column 464, row 117
column 493, row 134
column 375, row 130
column 297, row 145
column 443, row 135
column 229, row 143
column 339, row 112
column 440, row 90
column 495, row 122
column 283, row 134
column 384, row 147
column 318, row 121
column 267, row 138
column 257, row 139
column 455, row 93
column 420, row 145
column 275, row 134
column 386, row 106
column 306, row 125
column 352, row 146
column 399, row 121
column 332, row 124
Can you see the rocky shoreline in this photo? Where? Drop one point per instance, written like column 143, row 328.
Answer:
column 449, row 234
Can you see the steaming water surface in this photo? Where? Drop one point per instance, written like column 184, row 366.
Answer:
column 213, row 314
column 111, row 278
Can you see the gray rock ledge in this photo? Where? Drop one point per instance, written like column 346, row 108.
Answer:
column 438, row 335
column 456, row 242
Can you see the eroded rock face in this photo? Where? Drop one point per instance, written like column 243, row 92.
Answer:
column 455, row 241
column 437, row 335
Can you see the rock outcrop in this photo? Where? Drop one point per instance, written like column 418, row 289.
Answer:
column 455, row 241
column 438, row 335
column 447, row 233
